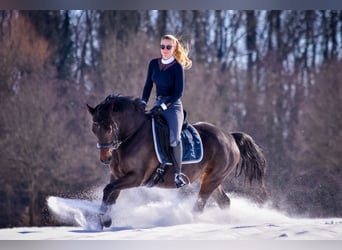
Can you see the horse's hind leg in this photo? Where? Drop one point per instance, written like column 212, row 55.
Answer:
column 207, row 188
column 200, row 203
column 218, row 194
column 221, row 198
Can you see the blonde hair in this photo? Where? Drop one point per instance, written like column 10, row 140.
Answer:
column 181, row 51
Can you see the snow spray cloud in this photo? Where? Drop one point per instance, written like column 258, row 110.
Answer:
column 155, row 207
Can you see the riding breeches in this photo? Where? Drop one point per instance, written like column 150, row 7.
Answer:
column 174, row 117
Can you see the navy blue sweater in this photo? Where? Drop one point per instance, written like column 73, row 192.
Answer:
column 168, row 78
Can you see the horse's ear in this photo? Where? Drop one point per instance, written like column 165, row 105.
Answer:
column 90, row 109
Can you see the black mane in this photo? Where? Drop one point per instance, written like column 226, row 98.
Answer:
column 124, row 102
column 116, row 103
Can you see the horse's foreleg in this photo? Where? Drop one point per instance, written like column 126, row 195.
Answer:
column 104, row 217
column 111, row 193
column 109, row 199
column 109, row 196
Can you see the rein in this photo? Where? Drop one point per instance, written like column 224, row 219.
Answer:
column 116, row 143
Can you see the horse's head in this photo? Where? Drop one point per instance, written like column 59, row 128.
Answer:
column 113, row 119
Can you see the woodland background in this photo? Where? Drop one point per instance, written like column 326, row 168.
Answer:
column 276, row 75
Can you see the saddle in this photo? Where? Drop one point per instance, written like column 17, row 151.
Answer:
column 191, row 143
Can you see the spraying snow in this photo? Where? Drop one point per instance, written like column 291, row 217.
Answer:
column 157, row 214
column 147, row 208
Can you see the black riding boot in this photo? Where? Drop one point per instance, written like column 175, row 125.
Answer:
column 176, row 156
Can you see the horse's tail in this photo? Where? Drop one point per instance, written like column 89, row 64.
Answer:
column 252, row 162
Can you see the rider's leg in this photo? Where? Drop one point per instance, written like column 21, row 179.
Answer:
column 176, row 157
column 174, row 116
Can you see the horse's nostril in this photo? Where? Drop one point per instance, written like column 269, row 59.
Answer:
column 107, row 160
column 105, row 156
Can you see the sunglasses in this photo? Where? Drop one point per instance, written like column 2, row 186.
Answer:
column 168, row 47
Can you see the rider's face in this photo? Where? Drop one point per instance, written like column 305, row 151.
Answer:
column 167, row 48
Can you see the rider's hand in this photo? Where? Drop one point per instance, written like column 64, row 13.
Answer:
column 158, row 109
column 144, row 104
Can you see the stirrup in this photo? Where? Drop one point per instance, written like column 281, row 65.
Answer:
column 179, row 181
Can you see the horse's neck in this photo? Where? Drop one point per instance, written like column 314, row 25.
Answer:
column 133, row 128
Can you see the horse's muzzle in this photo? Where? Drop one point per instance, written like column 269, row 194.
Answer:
column 106, row 156
column 106, row 161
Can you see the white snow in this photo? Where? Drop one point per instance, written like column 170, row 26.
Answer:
column 159, row 214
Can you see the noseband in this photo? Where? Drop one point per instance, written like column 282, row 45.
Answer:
column 113, row 144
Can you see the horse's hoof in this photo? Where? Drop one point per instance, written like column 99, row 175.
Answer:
column 105, row 220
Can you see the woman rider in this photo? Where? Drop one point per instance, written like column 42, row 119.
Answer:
column 167, row 73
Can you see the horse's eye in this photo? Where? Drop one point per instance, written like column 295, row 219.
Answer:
column 96, row 126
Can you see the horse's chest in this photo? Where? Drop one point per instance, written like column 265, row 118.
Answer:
column 115, row 162
column 117, row 165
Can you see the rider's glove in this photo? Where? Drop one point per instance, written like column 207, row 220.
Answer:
column 158, row 109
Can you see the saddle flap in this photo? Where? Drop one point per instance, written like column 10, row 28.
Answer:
column 191, row 142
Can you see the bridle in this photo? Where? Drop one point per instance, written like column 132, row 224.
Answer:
column 116, row 143
column 113, row 144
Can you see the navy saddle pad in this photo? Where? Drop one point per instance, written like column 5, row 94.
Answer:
column 191, row 142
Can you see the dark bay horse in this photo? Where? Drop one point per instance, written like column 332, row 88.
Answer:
column 124, row 135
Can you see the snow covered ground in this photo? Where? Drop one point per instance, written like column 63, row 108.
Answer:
column 158, row 214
